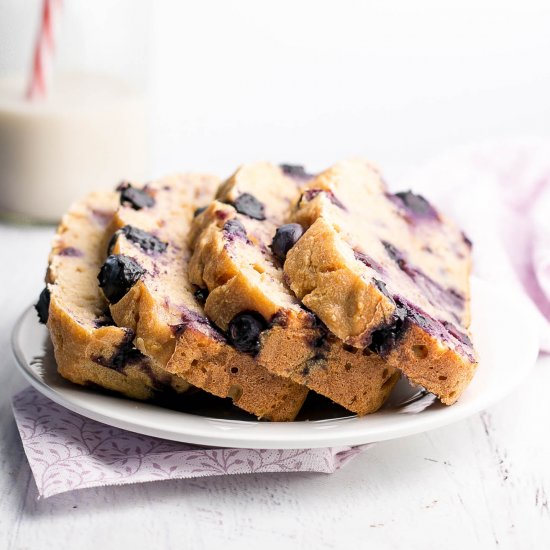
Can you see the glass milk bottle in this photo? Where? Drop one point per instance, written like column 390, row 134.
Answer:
column 73, row 113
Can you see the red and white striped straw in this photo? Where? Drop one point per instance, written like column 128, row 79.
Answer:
column 40, row 78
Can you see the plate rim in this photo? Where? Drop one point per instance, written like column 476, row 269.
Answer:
column 275, row 435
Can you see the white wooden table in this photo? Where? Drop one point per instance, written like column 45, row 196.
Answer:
column 481, row 483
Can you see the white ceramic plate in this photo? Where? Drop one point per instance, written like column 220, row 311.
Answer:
column 503, row 335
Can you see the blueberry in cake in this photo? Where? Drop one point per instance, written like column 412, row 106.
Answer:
column 386, row 273
column 88, row 347
column 146, row 282
column 238, row 248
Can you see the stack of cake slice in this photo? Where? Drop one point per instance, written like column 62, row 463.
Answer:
column 260, row 289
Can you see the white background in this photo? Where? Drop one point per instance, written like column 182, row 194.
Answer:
column 307, row 81
column 304, row 82
column 311, row 82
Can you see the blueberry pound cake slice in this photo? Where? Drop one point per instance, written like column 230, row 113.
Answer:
column 237, row 266
column 145, row 280
column 88, row 347
column 386, row 272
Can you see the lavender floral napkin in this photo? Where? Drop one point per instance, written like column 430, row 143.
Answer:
column 67, row 451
